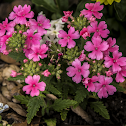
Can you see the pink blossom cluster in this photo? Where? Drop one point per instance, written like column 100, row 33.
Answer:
column 35, row 31
column 99, row 48
column 32, row 48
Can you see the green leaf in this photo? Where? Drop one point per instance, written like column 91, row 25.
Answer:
column 62, row 4
column 50, row 122
column 19, row 77
column 81, row 93
column 119, row 88
column 52, row 89
column 63, row 114
column 47, row 4
column 60, row 104
column 100, row 108
column 23, row 99
column 17, row 56
column 120, row 9
column 33, row 106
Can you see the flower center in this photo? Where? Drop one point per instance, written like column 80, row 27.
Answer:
column 68, row 37
column 96, row 48
column 114, row 61
column 97, row 30
column 103, row 85
column 39, row 24
column 33, row 85
column 79, row 70
column 31, row 38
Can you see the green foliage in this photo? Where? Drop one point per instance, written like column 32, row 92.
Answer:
column 19, row 77
column 81, row 93
column 50, row 122
column 23, row 99
column 52, row 89
column 33, row 106
column 63, row 114
column 120, row 9
column 62, row 4
column 60, row 104
column 47, row 4
column 20, row 56
column 100, row 108
column 119, row 88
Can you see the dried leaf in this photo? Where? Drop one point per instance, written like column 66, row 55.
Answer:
column 15, row 91
column 7, row 71
column 5, row 92
column 17, row 108
column 3, row 99
column 8, row 59
column 20, row 124
column 15, row 117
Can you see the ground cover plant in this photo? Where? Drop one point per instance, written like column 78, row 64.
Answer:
column 68, row 66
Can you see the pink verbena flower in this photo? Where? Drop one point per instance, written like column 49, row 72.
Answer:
column 68, row 38
column 3, row 41
column 32, row 39
column 41, row 24
column 82, row 56
column 19, row 14
column 76, row 70
column 5, row 26
column 38, row 52
column 121, row 74
column 34, row 85
column 98, row 29
column 103, row 88
column 112, row 46
column 46, row 73
column 13, row 73
column 67, row 14
column 93, row 9
column 97, row 47
column 84, row 33
column 116, row 62
column 90, row 83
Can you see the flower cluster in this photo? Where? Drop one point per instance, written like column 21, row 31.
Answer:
column 51, row 52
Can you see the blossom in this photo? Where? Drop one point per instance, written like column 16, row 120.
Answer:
column 67, row 38
column 84, row 33
column 106, row 2
column 116, row 62
column 38, row 52
column 97, row 47
column 112, row 46
column 103, row 88
column 121, row 74
column 32, row 39
column 100, row 30
column 3, row 107
column 13, row 73
column 90, row 83
column 34, row 85
column 3, row 41
column 67, row 14
column 93, row 9
column 46, row 73
column 41, row 24
column 76, row 70
column 19, row 14
column 6, row 26
column 82, row 56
